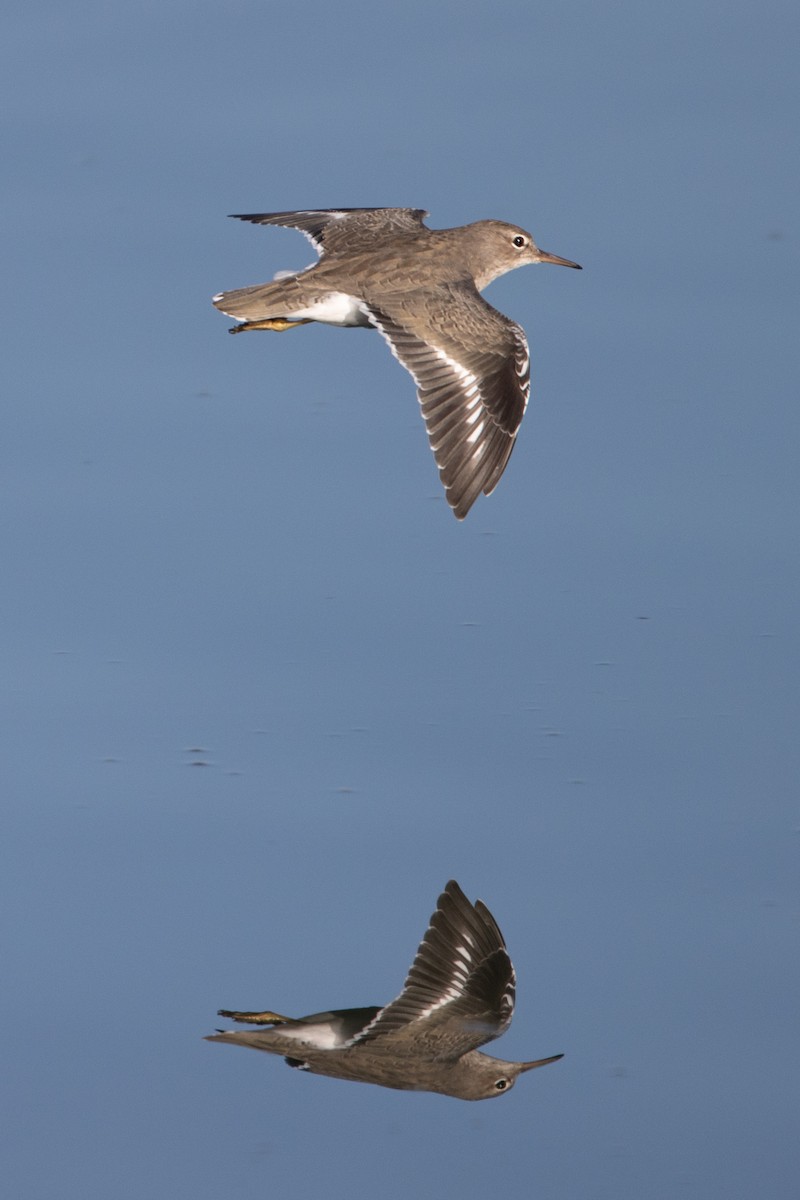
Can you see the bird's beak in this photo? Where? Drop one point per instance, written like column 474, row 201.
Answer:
column 559, row 262
column 542, row 1062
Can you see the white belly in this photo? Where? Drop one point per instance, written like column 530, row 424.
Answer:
column 337, row 308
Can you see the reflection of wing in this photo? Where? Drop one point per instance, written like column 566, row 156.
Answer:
column 460, row 990
column 472, row 371
column 343, row 230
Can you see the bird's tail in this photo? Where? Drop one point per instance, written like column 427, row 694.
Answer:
column 262, row 302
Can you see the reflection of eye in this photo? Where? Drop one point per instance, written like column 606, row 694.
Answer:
column 502, row 1084
column 519, row 241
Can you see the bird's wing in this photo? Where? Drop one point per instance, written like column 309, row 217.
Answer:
column 343, row 230
column 472, row 370
column 460, row 990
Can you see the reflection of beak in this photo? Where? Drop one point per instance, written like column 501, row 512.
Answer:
column 542, row 1062
column 560, row 262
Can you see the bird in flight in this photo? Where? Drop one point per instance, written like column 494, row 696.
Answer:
column 382, row 268
column 459, row 994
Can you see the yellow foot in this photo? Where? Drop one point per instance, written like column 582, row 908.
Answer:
column 254, row 1018
column 278, row 324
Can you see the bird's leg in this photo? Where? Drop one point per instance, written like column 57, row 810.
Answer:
column 254, row 1018
column 278, row 324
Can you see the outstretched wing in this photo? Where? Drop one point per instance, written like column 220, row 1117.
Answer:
column 472, row 370
column 343, row 230
column 461, row 987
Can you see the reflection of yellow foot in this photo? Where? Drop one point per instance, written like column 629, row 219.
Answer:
column 279, row 324
column 254, row 1018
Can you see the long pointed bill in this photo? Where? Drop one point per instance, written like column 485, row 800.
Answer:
column 541, row 1062
column 559, row 262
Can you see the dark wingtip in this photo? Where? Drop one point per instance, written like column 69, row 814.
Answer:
column 253, row 218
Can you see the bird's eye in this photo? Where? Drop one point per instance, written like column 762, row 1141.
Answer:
column 519, row 241
column 501, row 1085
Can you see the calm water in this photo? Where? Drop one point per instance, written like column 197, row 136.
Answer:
column 263, row 695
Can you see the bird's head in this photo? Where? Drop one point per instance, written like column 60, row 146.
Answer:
column 480, row 1077
column 496, row 247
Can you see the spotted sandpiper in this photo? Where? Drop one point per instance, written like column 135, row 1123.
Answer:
column 459, row 994
column 382, row 268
